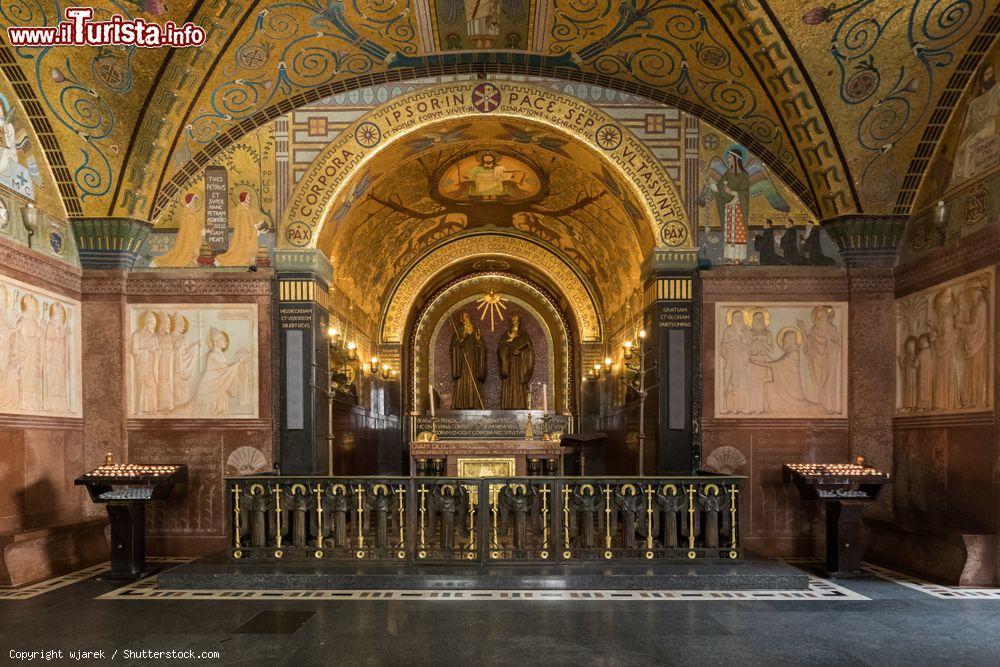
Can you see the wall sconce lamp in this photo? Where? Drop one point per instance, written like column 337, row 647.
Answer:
column 352, row 350
column 607, row 365
column 334, row 335
column 386, row 371
column 627, row 349
column 29, row 218
column 373, row 365
column 941, row 213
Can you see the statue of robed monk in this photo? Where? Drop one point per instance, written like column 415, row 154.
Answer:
column 468, row 365
column 517, row 365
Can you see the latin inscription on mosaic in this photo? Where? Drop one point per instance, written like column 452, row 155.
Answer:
column 216, row 208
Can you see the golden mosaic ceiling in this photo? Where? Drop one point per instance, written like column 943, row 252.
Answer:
column 421, row 192
column 842, row 101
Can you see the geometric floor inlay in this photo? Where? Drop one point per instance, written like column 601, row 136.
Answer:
column 33, row 590
column 940, row 591
column 819, row 590
column 48, row 585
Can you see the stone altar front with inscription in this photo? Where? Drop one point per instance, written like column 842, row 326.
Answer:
column 487, row 424
column 482, row 458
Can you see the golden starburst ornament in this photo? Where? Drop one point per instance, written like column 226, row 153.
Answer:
column 491, row 304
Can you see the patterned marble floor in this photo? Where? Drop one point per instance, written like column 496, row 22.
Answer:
column 939, row 591
column 820, row 589
column 888, row 619
column 55, row 583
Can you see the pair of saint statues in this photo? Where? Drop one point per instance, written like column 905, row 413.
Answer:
column 516, row 357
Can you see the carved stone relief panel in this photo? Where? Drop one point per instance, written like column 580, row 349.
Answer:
column 944, row 347
column 192, row 361
column 39, row 351
column 781, row 360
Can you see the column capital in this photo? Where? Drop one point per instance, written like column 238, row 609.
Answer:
column 867, row 240
column 303, row 263
column 662, row 259
column 109, row 243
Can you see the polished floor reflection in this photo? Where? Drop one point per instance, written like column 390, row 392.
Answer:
column 887, row 620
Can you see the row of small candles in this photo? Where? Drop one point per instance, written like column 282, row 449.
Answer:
column 351, row 347
column 131, row 470
column 834, row 469
column 628, row 349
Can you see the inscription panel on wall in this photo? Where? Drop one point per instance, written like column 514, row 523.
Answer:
column 39, row 351
column 192, row 361
column 217, row 208
column 944, row 347
column 781, row 360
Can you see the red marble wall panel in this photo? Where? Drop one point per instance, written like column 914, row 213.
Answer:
column 872, row 373
column 103, row 375
column 38, row 463
column 944, row 474
column 776, row 521
column 39, row 456
column 947, row 466
column 11, row 477
column 193, row 520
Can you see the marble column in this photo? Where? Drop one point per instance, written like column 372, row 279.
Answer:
column 869, row 246
column 303, row 291
column 107, row 248
column 104, row 330
column 673, row 348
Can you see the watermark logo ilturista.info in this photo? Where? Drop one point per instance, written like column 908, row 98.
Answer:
column 80, row 29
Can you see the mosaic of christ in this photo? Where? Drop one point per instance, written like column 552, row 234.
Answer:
column 488, row 176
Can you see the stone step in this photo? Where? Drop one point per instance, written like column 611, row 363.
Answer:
column 219, row 572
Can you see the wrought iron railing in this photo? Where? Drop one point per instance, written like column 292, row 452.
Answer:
column 489, row 520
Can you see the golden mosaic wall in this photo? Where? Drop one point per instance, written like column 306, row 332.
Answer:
column 130, row 123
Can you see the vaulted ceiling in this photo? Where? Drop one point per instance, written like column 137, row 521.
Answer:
column 843, row 101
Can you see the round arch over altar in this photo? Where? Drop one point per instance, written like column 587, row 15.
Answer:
column 335, row 174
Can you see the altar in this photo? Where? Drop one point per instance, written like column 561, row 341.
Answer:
column 486, row 458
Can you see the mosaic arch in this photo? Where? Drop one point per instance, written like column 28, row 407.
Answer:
column 421, row 191
column 404, row 296
column 324, row 186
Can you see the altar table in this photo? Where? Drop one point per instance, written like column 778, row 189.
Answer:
column 487, row 458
